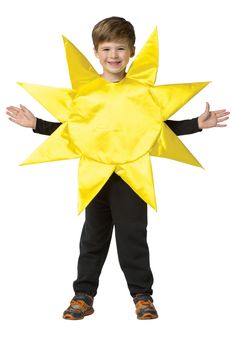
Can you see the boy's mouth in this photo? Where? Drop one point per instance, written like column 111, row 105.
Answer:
column 114, row 63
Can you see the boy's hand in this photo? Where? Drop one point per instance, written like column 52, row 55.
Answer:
column 210, row 119
column 21, row 116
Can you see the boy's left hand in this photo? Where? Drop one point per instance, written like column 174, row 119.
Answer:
column 210, row 119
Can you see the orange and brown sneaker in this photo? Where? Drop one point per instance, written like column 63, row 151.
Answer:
column 81, row 305
column 144, row 306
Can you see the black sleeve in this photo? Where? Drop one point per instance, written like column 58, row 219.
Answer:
column 185, row 127
column 45, row 127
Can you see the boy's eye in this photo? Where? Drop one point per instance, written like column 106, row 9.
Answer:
column 107, row 49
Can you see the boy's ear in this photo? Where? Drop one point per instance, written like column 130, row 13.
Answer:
column 132, row 52
column 95, row 52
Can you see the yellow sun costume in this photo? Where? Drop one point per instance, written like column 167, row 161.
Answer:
column 113, row 127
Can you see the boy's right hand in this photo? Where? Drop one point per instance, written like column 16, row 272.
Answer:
column 21, row 116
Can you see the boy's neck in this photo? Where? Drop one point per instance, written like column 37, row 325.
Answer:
column 113, row 77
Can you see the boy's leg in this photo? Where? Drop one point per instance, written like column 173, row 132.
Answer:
column 94, row 243
column 129, row 214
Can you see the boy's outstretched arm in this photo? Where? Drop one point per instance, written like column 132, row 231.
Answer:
column 207, row 119
column 24, row 117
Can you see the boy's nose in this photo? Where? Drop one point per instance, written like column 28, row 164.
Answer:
column 113, row 53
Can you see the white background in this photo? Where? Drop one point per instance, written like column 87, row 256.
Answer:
column 191, row 238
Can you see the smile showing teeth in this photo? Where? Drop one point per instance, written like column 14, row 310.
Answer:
column 114, row 63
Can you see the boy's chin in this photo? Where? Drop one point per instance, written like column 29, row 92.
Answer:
column 116, row 71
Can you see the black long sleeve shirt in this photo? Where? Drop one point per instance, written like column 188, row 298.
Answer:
column 184, row 127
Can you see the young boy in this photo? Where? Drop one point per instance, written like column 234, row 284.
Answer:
column 116, row 204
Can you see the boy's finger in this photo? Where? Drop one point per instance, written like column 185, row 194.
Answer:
column 12, row 113
column 23, row 107
column 220, row 111
column 13, row 109
column 9, row 113
column 221, row 114
column 222, row 119
column 221, row 125
column 13, row 120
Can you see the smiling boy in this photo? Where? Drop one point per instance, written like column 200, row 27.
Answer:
column 116, row 205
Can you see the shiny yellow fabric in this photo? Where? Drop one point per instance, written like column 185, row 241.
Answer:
column 114, row 127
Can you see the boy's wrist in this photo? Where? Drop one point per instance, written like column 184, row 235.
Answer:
column 34, row 122
column 200, row 126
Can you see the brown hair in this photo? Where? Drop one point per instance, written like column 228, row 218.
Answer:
column 113, row 29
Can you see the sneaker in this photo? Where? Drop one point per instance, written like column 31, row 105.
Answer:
column 144, row 307
column 81, row 305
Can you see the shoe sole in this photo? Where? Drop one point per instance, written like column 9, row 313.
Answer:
column 147, row 316
column 72, row 318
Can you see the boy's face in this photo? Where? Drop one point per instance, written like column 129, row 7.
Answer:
column 114, row 56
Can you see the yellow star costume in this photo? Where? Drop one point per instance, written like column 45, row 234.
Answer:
column 113, row 127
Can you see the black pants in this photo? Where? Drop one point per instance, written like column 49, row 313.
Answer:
column 115, row 205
